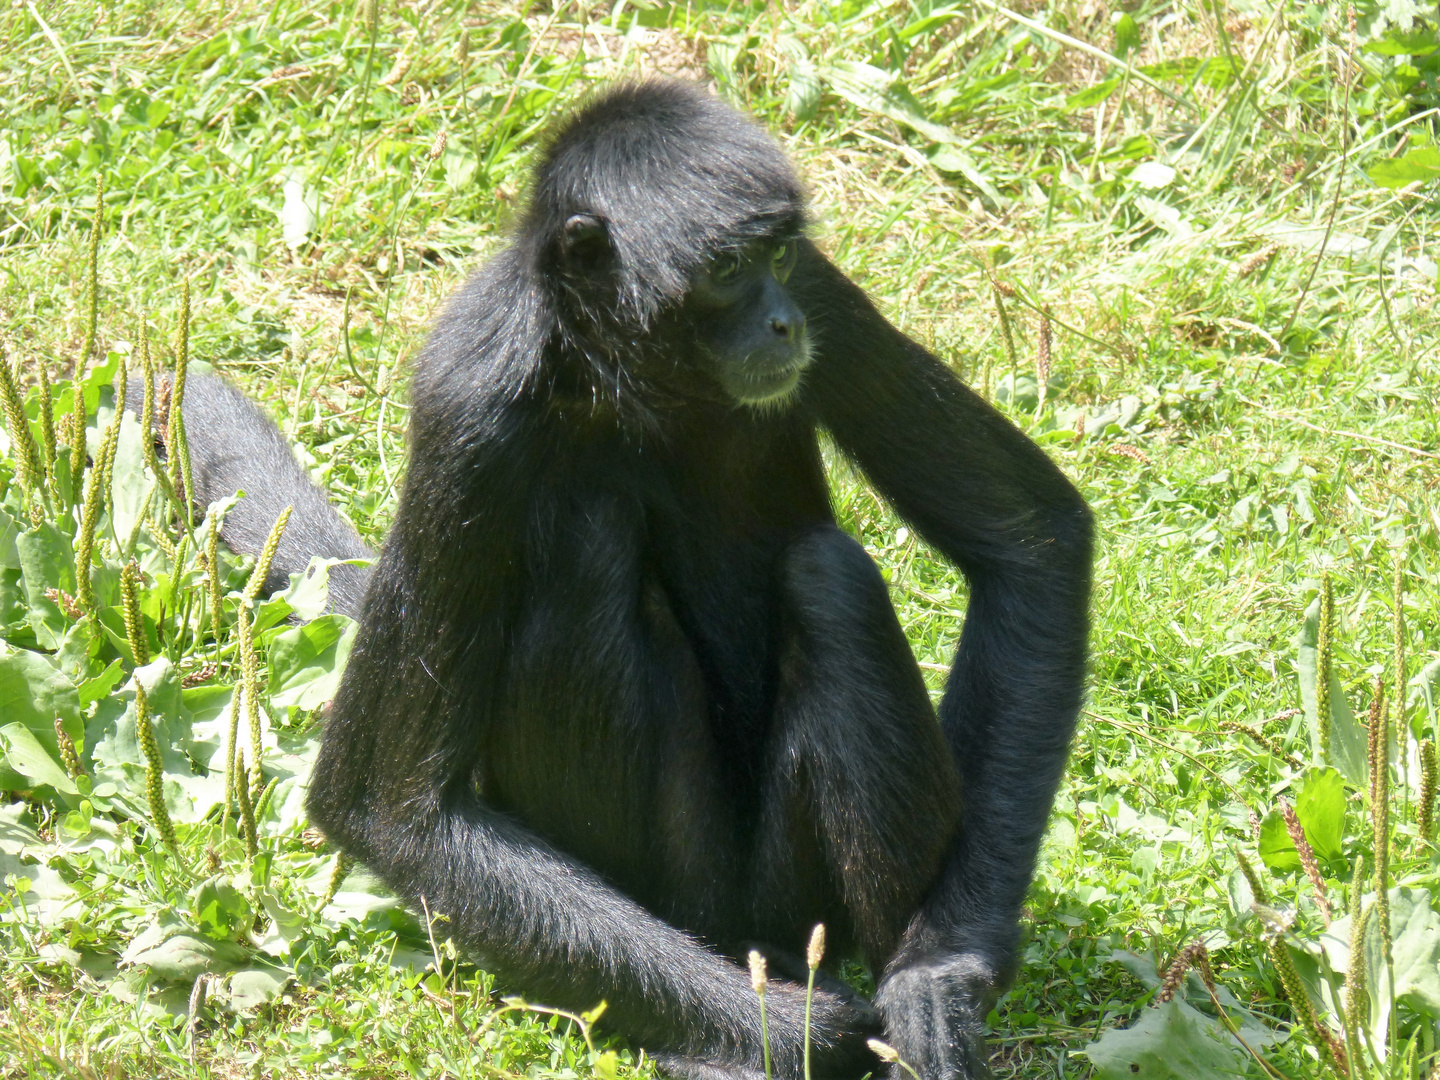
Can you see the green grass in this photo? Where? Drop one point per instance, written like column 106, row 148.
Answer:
column 1232, row 233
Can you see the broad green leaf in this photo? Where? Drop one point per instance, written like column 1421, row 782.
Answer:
column 14, row 611
column 252, row 987
column 101, row 685
column 82, row 640
column 49, row 897
column 1169, row 1042
column 950, row 158
column 130, row 483
column 99, row 386
column 1424, row 695
column 1415, row 929
column 920, row 27
column 1320, row 806
column 1181, row 67
column 171, row 954
column 802, row 94
column 286, row 925
column 1218, row 72
column 306, row 662
column 9, row 532
column 1415, row 932
column 47, row 563
column 309, row 590
column 1420, row 163
column 220, row 909
column 1420, row 41
column 875, row 90
column 25, row 755
column 119, row 760
column 34, row 692
column 1277, row 850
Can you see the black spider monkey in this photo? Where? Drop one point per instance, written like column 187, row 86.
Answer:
column 625, row 700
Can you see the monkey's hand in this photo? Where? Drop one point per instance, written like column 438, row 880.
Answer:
column 935, row 1013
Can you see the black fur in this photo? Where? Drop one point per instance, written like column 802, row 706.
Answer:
column 235, row 447
column 625, row 700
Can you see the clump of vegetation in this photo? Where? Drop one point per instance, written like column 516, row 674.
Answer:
column 1185, row 247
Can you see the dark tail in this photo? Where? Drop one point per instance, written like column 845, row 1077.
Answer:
column 234, row 447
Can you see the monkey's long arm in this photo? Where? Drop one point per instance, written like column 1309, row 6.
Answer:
column 991, row 501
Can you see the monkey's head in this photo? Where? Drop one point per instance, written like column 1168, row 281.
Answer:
column 670, row 225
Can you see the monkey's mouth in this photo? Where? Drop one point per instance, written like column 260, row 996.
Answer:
column 769, row 380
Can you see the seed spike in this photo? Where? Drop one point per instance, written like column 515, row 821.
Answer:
column 47, row 428
column 69, row 757
column 130, row 613
column 28, row 473
column 1322, row 665
column 1425, row 812
column 92, row 323
column 343, row 865
column 1320, row 1037
column 815, row 951
column 1398, row 729
column 267, row 555
column 154, row 773
column 247, row 810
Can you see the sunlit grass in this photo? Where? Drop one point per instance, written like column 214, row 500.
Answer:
column 1244, row 351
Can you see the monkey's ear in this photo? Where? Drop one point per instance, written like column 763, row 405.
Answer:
column 586, row 239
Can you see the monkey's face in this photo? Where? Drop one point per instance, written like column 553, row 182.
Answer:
column 750, row 332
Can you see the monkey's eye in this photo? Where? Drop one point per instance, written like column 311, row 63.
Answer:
column 782, row 259
column 727, row 267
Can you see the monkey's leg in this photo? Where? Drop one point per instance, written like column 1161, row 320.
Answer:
column 859, row 753
column 856, row 760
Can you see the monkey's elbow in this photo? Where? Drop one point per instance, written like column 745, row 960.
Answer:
column 1069, row 553
column 1077, row 529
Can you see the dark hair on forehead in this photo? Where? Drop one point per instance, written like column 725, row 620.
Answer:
column 674, row 173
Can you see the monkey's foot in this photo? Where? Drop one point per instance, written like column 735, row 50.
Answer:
column 935, row 1017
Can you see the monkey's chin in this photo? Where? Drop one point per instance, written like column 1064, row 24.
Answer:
column 773, row 387
column 772, row 393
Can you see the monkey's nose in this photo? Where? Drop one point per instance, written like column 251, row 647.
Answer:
column 785, row 327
